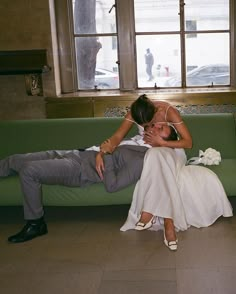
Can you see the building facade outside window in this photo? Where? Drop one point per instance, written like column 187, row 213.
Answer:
column 139, row 44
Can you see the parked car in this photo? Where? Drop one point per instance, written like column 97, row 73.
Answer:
column 212, row 74
column 105, row 79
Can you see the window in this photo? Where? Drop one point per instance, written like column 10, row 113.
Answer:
column 132, row 44
column 95, row 37
column 202, row 42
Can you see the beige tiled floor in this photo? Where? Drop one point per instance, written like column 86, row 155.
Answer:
column 86, row 253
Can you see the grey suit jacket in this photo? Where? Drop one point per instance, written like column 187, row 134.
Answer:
column 122, row 168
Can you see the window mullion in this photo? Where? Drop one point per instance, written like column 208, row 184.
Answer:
column 232, row 43
column 126, row 44
column 65, row 46
column 182, row 42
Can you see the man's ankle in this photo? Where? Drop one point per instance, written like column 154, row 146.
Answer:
column 36, row 221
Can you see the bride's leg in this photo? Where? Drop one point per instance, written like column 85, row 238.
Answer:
column 169, row 229
column 145, row 217
column 170, row 238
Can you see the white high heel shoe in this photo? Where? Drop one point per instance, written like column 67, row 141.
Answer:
column 172, row 245
column 141, row 226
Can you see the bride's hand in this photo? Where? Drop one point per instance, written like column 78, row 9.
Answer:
column 107, row 147
column 153, row 139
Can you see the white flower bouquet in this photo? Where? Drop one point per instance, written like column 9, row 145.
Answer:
column 208, row 157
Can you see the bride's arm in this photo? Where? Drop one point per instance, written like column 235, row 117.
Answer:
column 185, row 138
column 109, row 145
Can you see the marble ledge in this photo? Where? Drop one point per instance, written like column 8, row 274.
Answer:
column 175, row 96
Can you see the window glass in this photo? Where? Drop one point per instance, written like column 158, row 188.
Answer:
column 158, row 58
column 156, row 15
column 207, row 61
column 96, row 63
column 209, row 54
column 163, row 49
column 95, row 44
column 209, row 15
column 94, row 17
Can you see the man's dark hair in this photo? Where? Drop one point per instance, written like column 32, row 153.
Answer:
column 173, row 135
column 142, row 110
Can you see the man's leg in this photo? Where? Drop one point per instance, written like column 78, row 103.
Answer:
column 151, row 75
column 13, row 163
column 33, row 174
column 64, row 171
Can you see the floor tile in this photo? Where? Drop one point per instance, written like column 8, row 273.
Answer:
column 55, row 283
column 206, row 247
column 140, row 253
column 139, row 282
column 206, row 281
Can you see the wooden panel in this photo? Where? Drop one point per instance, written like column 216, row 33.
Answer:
column 118, row 105
column 111, row 106
column 69, row 108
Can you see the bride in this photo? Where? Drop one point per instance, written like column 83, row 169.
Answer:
column 169, row 194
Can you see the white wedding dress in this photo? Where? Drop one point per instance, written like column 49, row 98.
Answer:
column 190, row 195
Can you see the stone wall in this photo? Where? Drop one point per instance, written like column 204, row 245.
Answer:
column 24, row 25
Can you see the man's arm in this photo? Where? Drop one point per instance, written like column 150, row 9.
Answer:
column 123, row 167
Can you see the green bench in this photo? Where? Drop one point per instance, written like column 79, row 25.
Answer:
column 208, row 130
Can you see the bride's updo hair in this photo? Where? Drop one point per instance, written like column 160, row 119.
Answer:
column 142, row 110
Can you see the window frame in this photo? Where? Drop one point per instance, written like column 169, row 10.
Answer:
column 126, row 42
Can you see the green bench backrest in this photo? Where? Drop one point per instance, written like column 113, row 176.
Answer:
column 35, row 135
column 212, row 130
column 208, row 130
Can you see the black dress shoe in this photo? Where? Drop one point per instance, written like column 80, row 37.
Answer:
column 30, row 231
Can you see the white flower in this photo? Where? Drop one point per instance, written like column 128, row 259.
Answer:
column 210, row 157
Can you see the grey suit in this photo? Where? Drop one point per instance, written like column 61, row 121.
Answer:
column 71, row 168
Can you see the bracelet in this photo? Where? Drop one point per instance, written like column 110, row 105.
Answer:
column 107, row 141
column 103, row 152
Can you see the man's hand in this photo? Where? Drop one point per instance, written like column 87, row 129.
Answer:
column 100, row 164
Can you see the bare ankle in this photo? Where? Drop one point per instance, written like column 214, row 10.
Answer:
column 169, row 229
column 145, row 217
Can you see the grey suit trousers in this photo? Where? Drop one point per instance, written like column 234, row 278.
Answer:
column 51, row 168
